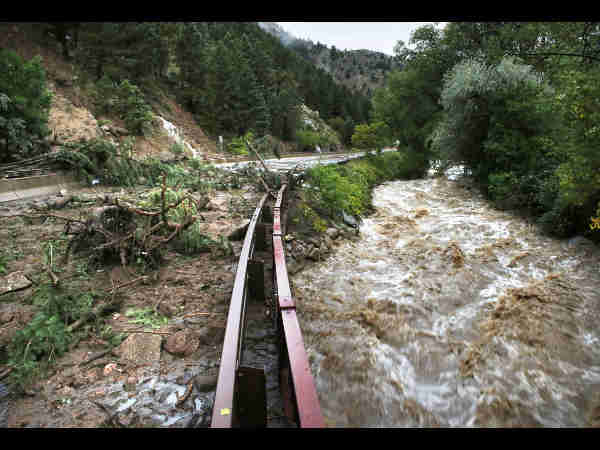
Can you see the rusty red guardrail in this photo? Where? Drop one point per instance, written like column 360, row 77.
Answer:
column 302, row 401
column 224, row 409
column 300, row 398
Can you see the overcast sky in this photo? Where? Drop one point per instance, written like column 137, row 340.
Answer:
column 376, row 36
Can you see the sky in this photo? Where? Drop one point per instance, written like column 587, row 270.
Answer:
column 376, row 36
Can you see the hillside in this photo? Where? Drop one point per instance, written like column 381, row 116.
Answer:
column 73, row 115
column 128, row 82
column 362, row 71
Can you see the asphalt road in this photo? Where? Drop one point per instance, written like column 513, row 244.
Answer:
column 301, row 162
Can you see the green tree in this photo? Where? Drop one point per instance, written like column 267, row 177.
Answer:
column 370, row 137
column 24, row 106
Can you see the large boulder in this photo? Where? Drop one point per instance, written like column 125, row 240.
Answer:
column 182, row 343
column 141, row 349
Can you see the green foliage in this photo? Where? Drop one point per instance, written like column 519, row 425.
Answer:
column 307, row 140
column 335, row 193
column 3, row 261
column 126, row 101
column 409, row 106
column 238, row 146
column 177, row 148
column 347, row 188
column 316, row 223
column 235, row 77
column 147, row 317
column 371, row 136
column 191, row 240
column 100, row 159
column 35, row 347
column 494, row 117
column 131, row 50
column 519, row 106
column 579, row 174
column 24, row 105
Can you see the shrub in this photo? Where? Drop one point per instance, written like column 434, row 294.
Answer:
column 347, row 188
column 126, row 100
column 307, row 140
column 238, row 145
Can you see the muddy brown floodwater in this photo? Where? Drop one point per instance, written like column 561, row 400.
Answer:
column 449, row 312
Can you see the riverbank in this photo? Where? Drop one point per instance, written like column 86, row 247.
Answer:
column 330, row 201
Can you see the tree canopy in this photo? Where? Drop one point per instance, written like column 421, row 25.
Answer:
column 516, row 102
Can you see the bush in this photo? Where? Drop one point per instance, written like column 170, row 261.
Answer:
column 24, row 105
column 127, row 101
column 494, row 116
column 347, row 188
column 307, row 140
column 238, row 146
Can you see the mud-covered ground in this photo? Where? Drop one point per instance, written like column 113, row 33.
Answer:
column 139, row 380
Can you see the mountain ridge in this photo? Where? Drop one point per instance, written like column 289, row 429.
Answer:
column 362, row 71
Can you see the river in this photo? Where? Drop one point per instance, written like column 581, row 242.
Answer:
column 451, row 313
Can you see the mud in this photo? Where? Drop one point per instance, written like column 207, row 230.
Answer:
column 139, row 383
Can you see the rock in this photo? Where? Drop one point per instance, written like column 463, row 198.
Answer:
column 239, row 233
column 4, row 405
column 141, row 349
column 314, row 241
column 119, row 131
column 185, row 378
column 130, row 383
column 60, row 203
column 165, row 157
column 167, row 310
column 205, row 383
column 6, row 316
column 183, row 343
column 295, row 266
column 108, row 369
column 332, row 233
column 216, row 203
column 13, row 282
column 313, row 254
column 350, row 220
column 211, row 335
